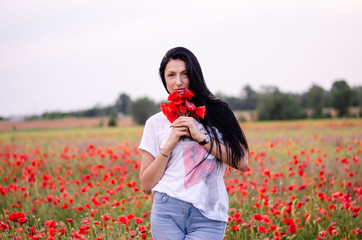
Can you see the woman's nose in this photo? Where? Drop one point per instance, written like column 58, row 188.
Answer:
column 178, row 80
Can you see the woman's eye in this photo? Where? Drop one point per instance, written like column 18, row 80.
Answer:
column 170, row 75
column 185, row 73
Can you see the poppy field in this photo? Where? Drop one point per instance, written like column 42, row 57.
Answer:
column 304, row 182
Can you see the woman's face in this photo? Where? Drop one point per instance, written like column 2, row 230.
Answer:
column 176, row 76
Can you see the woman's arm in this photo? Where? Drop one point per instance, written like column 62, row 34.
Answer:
column 198, row 136
column 152, row 169
column 243, row 163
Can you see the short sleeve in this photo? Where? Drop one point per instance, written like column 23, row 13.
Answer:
column 149, row 140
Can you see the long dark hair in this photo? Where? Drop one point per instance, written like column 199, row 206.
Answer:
column 218, row 113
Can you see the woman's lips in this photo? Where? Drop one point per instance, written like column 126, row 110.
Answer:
column 181, row 90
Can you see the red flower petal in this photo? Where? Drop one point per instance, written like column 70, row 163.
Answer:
column 187, row 94
column 190, row 106
column 22, row 220
column 200, row 111
column 173, row 96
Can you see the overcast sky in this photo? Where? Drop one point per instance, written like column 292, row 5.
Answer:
column 71, row 55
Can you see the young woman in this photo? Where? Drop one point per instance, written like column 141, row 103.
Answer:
column 183, row 163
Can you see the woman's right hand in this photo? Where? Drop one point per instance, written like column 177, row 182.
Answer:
column 174, row 138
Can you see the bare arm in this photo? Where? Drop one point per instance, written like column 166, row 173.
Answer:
column 243, row 163
column 152, row 169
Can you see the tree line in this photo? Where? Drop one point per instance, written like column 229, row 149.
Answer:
column 272, row 104
column 268, row 104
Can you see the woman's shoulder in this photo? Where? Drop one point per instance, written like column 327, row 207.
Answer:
column 157, row 122
column 158, row 117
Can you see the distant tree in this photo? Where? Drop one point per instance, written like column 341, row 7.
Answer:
column 341, row 96
column 92, row 112
column 278, row 106
column 356, row 96
column 234, row 103
column 300, row 99
column 249, row 98
column 315, row 100
column 359, row 97
column 328, row 99
column 269, row 89
column 142, row 109
column 53, row 115
column 113, row 117
column 220, row 95
column 123, row 103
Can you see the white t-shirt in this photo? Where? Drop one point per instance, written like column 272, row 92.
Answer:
column 202, row 185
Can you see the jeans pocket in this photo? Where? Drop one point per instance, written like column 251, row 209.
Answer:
column 160, row 197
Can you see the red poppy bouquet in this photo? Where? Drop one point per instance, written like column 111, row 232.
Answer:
column 180, row 105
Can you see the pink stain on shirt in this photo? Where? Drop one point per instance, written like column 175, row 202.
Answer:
column 193, row 154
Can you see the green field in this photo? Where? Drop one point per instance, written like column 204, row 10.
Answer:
column 304, row 182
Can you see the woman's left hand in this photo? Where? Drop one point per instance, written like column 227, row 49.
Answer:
column 190, row 123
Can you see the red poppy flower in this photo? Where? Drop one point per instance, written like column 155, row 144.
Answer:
column 272, row 227
column 289, row 221
column 180, row 105
column 106, row 217
column 266, row 220
column 262, row 229
column 61, row 231
column 292, row 229
column 123, row 220
column 31, row 233
column 257, row 217
column 173, row 97
column 22, row 220
column 237, row 215
column 188, row 94
column 235, row 228
column 200, row 112
column 15, row 217
column 292, row 226
column 190, row 106
column 169, row 112
column 142, row 229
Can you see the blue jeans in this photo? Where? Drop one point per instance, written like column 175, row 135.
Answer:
column 173, row 219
